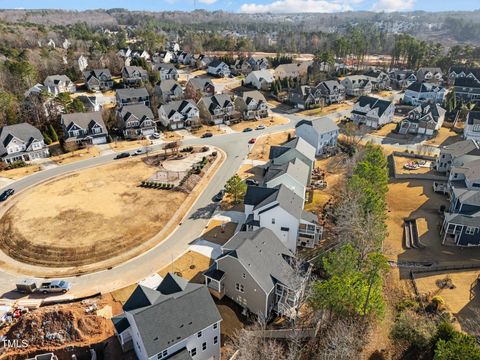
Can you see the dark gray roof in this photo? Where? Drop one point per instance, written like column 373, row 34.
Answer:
column 278, row 196
column 132, row 93
column 265, row 256
column 23, row 131
column 423, row 87
column 473, row 117
column 200, row 83
column 467, row 220
column 170, row 68
column 256, row 194
column 97, row 73
column 120, row 323
column 309, row 217
column 178, row 105
column 131, row 69
column 215, row 63
column 168, row 85
column 84, row 120
column 183, row 354
column 219, row 100
column 374, row 73
column 140, row 111
column 215, row 274
column 466, row 70
column 297, row 144
column 297, row 169
column 467, row 82
column 374, row 103
column 179, row 310
column 331, row 85
column 462, row 148
column 321, row 125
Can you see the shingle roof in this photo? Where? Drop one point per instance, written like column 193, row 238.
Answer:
column 466, row 70
column 199, row 83
column 423, row 87
column 461, row 148
column 130, row 69
column 296, row 169
column 23, row 131
column 97, row 73
column 265, row 257
column 374, row 103
column 168, row 85
column 84, row 120
column 473, row 117
column 172, row 316
column 132, row 93
column 140, row 111
column 321, row 125
column 121, row 323
column 467, row 82
column 219, row 100
column 255, row 95
column 178, row 105
column 298, row 144
column 280, row 195
column 262, row 74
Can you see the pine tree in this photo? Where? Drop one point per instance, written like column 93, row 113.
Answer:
column 52, row 133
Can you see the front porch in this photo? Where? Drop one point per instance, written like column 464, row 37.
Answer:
column 214, row 282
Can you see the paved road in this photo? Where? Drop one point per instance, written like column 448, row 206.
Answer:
column 236, row 148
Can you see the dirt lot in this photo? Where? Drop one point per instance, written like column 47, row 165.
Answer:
column 401, row 161
column 219, row 232
column 445, row 137
column 261, row 148
column 189, row 266
column 128, row 145
column 326, row 110
column 248, row 171
column 18, row 173
column 171, row 136
column 76, row 155
column 386, row 130
column 215, row 130
column 87, row 216
column 269, row 121
column 416, row 199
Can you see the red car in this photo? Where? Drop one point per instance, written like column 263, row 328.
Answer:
column 252, row 141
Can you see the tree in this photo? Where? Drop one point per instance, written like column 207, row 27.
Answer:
column 47, row 138
column 414, row 330
column 236, row 187
column 52, row 133
column 459, row 347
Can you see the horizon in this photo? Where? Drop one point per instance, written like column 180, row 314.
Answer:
column 251, row 6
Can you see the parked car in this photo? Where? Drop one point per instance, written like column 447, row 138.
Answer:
column 6, row 194
column 219, row 196
column 252, row 141
column 156, row 135
column 251, row 182
column 26, row 286
column 122, row 155
column 207, row 135
column 247, row 129
column 139, row 151
column 55, row 286
column 260, row 127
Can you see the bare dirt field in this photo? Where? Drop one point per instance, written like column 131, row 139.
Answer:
column 267, row 122
column 261, row 149
column 416, row 199
column 444, row 137
column 189, row 266
column 219, row 232
column 18, row 173
column 129, row 145
column 325, row 110
column 214, row 129
column 86, row 217
column 77, row 155
column 386, row 130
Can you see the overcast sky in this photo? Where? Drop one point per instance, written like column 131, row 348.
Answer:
column 283, row 6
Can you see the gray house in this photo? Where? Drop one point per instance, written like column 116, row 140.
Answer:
column 373, row 112
column 320, row 133
column 296, row 148
column 218, row 68
column 357, row 85
column 84, row 128
column 305, row 97
column 457, row 154
column 218, row 109
column 168, row 90
column 430, row 74
column 167, row 71
column 259, row 273
column 252, row 105
column 132, row 96
column 179, row 114
column 379, row 79
column 98, row 79
column 136, row 121
column 425, row 119
column 419, row 93
column 21, row 142
column 294, row 175
column 176, row 320
column 134, row 75
column 331, row 91
column 472, row 126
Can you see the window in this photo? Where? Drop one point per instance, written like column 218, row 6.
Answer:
column 284, row 228
column 199, row 334
column 273, row 221
column 193, row 352
column 162, row 354
column 470, row 230
column 239, row 287
column 244, row 276
column 204, row 346
column 215, row 325
column 215, row 339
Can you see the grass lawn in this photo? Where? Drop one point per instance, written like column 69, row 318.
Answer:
column 19, row 173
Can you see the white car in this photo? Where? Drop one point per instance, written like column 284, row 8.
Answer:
column 139, row 151
column 156, row 135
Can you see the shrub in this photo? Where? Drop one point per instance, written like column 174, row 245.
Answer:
column 413, row 330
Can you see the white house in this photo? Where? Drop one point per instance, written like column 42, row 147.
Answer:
column 218, row 68
column 176, row 320
column 472, row 126
column 21, row 142
column 57, row 84
column 321, row 133
column 418, row 93
column 372, row 111
column 294, row 175
column 260, row 79
column 167, row 71
column 136, row 121
column 179, row 114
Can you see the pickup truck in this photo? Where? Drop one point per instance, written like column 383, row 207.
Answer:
column 54, row 286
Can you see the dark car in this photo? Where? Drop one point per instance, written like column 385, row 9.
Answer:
column 219, row 196
column 207, row 135
column 6, row 194
column 251, row 182
column 247, row 129
column 122, row 155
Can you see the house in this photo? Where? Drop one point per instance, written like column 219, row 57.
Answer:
column 134, row 75
column 372, row 111
column 136, row 121
column 84, row 128
column 124, row 52
column 296, row 148
column 168, row 90
column 259, row 63
column 418, row 93
column 430, row 75
column 165, row 57
column 252, row 105
column 176, row 320
column 294, row 175
column 379, row 79
column 284, row 71
column 22, row 142
column 467, row 89
column 304, row 97
column 425, row 119
column 260, row 79
column 471, row 130
column 167, row 71
column 281, row 210
column 218, row 109
column 457, row 72
column 179, row 114
column 401, row 79
column 36, row 90
column 203, row 61
column 82, row 63
column 321, row 133
column 185, row 58
column 173, row 46
column 91, row 102
column 457, row 154
column 218, row 68
column 57, row 84
column 243, row 66
column 98, row 79
column 132, row 96
column 197, row 88
column 140, row 53
column 259, row 273
column 331, row 91
column 357, row 85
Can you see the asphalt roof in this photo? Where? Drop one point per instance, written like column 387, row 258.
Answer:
column 296, row 169
column 461, row 148
column 219, row 100
column 22, row 131
column 120, row 323
column 199, row 83
column 96, row 73
column 140, row 111
column 84, row 120
column 178, row 310
column 466, row 70
column 473, row 117
column 374, row 103
column 467, row 82
column 278, row 196
column 178, row 105
column 423, row 87
column 132, row 92
column 167, row 85
column 321, row 125
column 255, row 95
column 265, row 257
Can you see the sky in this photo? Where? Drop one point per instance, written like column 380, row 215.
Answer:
column 249, row 6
